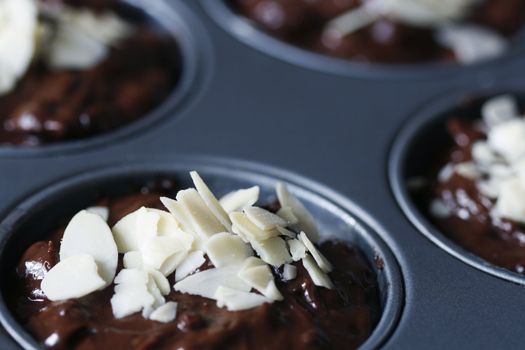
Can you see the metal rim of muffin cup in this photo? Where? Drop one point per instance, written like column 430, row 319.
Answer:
column 332, row 207
column 432, row 116
column 249, row 34
column 194, row 49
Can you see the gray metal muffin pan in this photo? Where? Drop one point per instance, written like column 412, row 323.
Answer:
column 247, row 115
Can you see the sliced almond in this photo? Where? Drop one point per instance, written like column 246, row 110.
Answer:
column 289, row 272
column 490, row 188
column 261, row 279
column 130, row 298
column 239, row 233
column 165, row 313
column 306, row 220
column 225, row 249
column 178, row 212
column 204, row 223
column 285, row 232
column 297, row 249
column 257, row 277
column 205, row 283
column 235, row 300
column 483, row 155
column 350, row 22
column 74, row 49
column 17, row 41
column 499, row 109
column 193, row 261
column 73, row 277
column 438, row 208
column 167, row 224
column 249, row 230
column 240, row 199
column 155, row 291
column 446, row 173
column 103, row 212
column 162, row 282
column 272, row 251
column 286, row 213
column 519, row 169
column 252, row 261
column 132, row 276
column 471, row 43
column 105, row 27
column 510, row 203
column 468, row 170
column 165, row 253
column 323, row 263
column 133, row 260
column 147, row 222
column 88, row 233
column 317, row 275
column 264, row 219
column 211, row 201
column 124, row 233
column 507, row 139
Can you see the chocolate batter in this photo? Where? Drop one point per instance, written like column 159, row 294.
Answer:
column 310, row 317
column 49, row 106
column 470, row 224
column 301, row 23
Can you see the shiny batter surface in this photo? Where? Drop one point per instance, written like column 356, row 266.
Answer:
column 49, row 106
column 310, row 317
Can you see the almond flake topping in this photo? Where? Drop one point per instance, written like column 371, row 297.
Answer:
column 264, row 219
column 72, row 277
column 89, row 234
column 193, row 261
column 82, row 38
column 306, row 221
column 207, row 282
column 157, row 244
column 236, row 300
column 201, row 218
column 289, row 272
column 318, row 276
column 240, row 199
column 224, row 249
column 210, row 200
column 18, row 25
column 286, row 213
column 65, row 37
column 323, row 263
column 498, row 164
column 258, row 275
column 103, row 212
column 469, row 43
column 165, row 313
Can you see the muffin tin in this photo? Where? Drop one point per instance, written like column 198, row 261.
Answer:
column 338, row 132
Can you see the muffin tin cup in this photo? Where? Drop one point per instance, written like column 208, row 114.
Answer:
column 413, row 137
column 248, row 33
column 341, row 124
column 194, row 49
column 335, row 216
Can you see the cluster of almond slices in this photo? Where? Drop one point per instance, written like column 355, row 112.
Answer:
column 470, row 43
column 498, row 163
column 242, row 242
column 66, row 37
